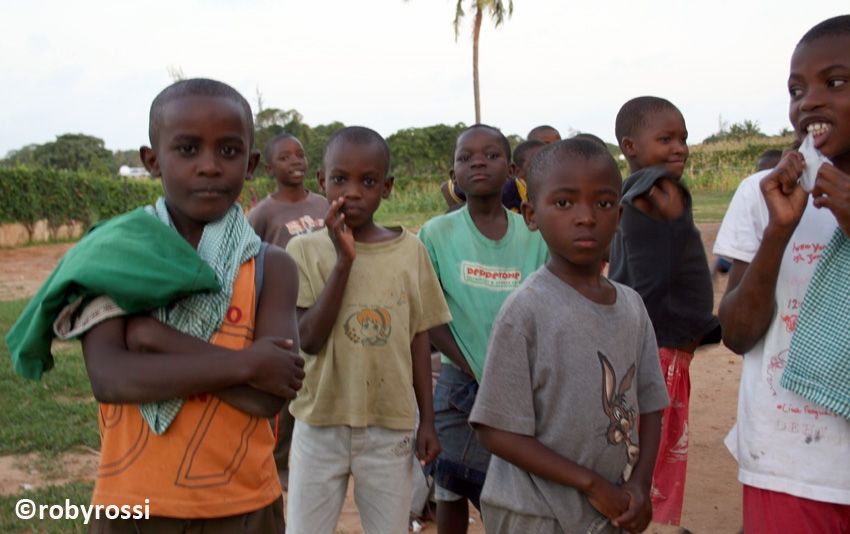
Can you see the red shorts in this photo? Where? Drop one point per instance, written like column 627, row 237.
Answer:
column 671, row 464
column 772, row 512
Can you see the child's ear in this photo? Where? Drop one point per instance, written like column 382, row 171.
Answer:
column 388, row 186
column 320, row 177
column 253, row 161
column 452, row 174
column 149, row 160
column 528, row 214
column 627, row 145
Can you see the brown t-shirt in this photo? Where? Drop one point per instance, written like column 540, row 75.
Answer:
column 277, row 222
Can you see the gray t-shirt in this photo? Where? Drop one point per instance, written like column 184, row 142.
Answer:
column 277, row 222
column 575, row 375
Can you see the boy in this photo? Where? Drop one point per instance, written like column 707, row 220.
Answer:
column 545, row 134
column 368, row 296
column 211, row 467
column 514, row 191
column 556, row 470
column 291, row 210
column 481, row 253
column 658, row 252
column 791, row 453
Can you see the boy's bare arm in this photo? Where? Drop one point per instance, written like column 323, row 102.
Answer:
column 639, row 513
column 427, row 444
column 120, row 375
column 276, row 318
column 442, row 338
column 747, row 307
column 316, row 322
column 529, row 454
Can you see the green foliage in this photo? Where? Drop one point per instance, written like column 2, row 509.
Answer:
column 427, row 150
column 33, row 194
column 72, row 152
column 721, row 166
column 738, row 131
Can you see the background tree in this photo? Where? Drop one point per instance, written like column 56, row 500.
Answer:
column 496, row 10
column 736, row 132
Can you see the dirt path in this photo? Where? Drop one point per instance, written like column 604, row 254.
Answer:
column 712, row 493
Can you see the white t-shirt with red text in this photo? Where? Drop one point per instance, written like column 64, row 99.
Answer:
column 781, row 441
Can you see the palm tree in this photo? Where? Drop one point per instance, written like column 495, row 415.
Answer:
column 496, row 10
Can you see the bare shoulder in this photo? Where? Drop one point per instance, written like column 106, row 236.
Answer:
column 279, row 268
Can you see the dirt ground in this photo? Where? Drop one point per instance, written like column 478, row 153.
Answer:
column 712, row 493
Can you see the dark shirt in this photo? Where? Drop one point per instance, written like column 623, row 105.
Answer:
column 665, row 262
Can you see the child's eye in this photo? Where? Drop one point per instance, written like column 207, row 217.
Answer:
column 563, row 203
column 369, row 182
column 186, row 150
column 836, row 82
column 463, row 158
column 606, row 204
column 795, row 91
column 337, row 179
column 665, row 139
column 492, row 155
column 229, row 151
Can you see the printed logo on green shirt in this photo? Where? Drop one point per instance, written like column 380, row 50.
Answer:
column 498, row 278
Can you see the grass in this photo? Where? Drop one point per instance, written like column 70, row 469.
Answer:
column 78, row 493
column 48, row 416
column 710, row 206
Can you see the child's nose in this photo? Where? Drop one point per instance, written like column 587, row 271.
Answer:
column 208, row 163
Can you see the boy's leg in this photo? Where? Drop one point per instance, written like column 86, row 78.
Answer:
column 318, row 478
column 772, row 512
column 452, row 512
column 383, row 481
column 668, row 480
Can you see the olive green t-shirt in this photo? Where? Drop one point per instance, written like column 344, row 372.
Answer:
column 363, row 376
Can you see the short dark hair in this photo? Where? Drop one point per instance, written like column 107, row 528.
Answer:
column 591, row 137
column 632, row 116
column 267, row 150
column 358, row 135
column 522, row 149
column 554, row 154
column 542, row 128
column 832, row 27
column 769, row 159
column 195, row 87
column 502, row 139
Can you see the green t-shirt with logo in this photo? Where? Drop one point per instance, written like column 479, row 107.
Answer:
column 477, row 274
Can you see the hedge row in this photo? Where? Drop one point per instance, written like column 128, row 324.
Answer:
column 29, row 194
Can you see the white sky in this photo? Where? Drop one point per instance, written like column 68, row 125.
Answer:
column 94, row 66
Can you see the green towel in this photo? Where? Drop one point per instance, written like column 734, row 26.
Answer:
column 225, row 245
column 122, row 257
column 818, row 367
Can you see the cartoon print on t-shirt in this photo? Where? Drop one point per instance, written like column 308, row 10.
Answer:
column 622, row 416
column 369, row 326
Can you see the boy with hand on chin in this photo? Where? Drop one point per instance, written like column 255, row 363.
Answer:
column 569, row 337
column 368, row 296
column 786, row 245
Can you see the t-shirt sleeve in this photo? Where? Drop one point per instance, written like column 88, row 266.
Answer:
column 307, row 293
column 740, row 233
column 505, row 400
column 652, row 391
column 424, row 237
column 430, row 309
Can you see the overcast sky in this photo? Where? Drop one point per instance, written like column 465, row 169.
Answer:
column 94, row 67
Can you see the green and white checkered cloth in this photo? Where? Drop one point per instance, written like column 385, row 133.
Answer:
column 225, row 245
column 818, row 367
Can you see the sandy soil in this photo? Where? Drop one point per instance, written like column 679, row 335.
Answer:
column 712, row 493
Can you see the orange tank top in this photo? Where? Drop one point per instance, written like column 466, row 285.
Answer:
column 213, row 461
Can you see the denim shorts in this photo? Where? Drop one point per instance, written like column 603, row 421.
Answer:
column 462, row 464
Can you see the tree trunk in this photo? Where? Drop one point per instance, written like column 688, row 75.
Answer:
column 476, row 31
